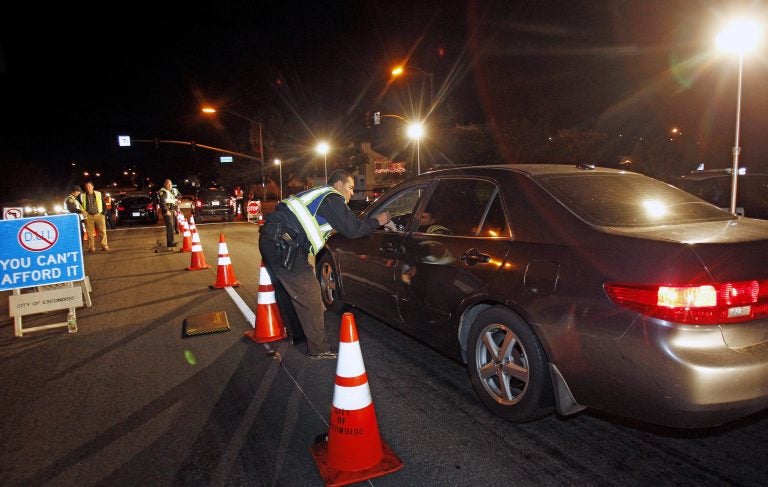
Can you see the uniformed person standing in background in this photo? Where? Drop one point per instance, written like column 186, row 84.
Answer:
column 169, row 203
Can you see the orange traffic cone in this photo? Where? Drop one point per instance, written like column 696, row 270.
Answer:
column 198, row 258
column 269, row 325
column 186, row 245
column 225, row 275
column 353, row 450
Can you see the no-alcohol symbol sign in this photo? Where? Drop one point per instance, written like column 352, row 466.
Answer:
column 38, row 235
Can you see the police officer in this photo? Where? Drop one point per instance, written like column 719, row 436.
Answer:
column 72, row 204
column 169, row 203
column 300, row 225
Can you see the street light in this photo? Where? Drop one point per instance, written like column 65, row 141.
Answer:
column 280, row 165
column 416, row 131
column 739, row 37
column 399, row 70
column 323, row 148
column 210, row 111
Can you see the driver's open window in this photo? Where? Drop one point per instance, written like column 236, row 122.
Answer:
column 402, row 205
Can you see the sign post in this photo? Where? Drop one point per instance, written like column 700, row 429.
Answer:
column 38, row 253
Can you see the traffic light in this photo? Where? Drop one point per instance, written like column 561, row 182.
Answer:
column 368, row 119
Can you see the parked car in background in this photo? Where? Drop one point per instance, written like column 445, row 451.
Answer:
column 569, row 287
column 214, row 203
column 715, row 187
column 136, row 208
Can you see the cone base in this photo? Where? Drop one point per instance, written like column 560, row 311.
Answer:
column 198, row 268
column 222, row 286
column 332, row 477
column 260, row 339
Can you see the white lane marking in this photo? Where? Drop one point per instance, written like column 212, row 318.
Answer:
column 250, row 316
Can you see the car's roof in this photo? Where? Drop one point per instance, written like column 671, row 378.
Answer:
column 532, row 169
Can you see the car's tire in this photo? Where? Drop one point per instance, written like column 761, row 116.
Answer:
column 508, row 367
column 328, row 278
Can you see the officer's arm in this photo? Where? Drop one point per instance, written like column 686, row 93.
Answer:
column 340, row 217
column 161, row 198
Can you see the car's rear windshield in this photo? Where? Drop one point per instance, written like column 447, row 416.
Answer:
column 628, row 200
column 213, row 194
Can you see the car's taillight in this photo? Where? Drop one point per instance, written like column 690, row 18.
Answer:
column 120, row 208
column 150, row 206
column 729, row 302
column 198, row 203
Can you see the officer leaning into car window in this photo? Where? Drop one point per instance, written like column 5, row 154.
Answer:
column 93, row 208
column 169, row 203
column 300, row 225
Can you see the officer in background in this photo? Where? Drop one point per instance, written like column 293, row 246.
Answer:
column 300, row 225
column 92, row 203
column 108, row 214
column 169, row 203
column 239, row 203
column 72, row 204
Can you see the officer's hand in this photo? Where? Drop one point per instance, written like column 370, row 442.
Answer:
column 383, row 217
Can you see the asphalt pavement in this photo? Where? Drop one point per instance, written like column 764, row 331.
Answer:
column 127, row 400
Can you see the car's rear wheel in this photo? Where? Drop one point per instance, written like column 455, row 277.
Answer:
column 329, row 284
column 508, row 367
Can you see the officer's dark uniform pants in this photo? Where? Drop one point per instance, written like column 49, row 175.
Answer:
column 168, row 228
column 304, row 292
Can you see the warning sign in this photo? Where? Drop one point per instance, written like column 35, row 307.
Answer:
column 13, row 213
column 40, row 251
column 253, row 208
column 38, row 235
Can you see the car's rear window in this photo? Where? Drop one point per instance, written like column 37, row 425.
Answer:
column 628, row 200
column 212, row 195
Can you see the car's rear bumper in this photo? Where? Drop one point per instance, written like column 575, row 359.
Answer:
column 683, row 376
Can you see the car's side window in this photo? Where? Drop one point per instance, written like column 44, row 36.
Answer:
column 461, row 207
column 401, row 207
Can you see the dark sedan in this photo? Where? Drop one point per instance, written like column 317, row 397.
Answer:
column 137, row 208
column 570, row 287
column 214, row 203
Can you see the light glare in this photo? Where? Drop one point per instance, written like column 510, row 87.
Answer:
column 740, row 36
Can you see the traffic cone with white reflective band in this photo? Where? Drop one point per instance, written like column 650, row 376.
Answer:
column 198, row 258
column 353, row 450
column 225, row 275
column 186, row 244
column 269, row 325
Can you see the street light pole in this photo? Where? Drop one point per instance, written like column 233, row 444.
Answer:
column 323, row 148
column 280, row 166
column 211, row 110
column 397, row 71
column 738, row 37
column 736, row 147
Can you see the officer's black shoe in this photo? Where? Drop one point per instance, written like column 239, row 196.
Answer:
column 174, row 244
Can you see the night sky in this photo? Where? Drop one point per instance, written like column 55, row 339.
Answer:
column 73, row 78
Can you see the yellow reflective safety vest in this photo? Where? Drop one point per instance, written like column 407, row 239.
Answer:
column 169, row 196
column 99, row 201
column 304, row 206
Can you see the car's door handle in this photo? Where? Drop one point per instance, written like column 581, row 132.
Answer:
column 474, row 256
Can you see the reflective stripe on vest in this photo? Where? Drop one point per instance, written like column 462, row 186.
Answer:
column 304, row 205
